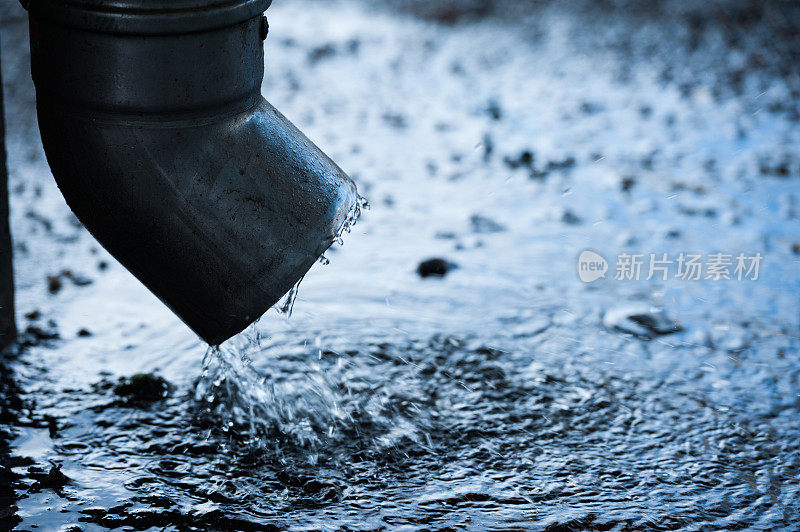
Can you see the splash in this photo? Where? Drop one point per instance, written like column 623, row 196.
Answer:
column 309, row 403
column 305, row 402
column 253, row 406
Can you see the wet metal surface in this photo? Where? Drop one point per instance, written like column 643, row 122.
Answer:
column 165, row 150
column 499, row 391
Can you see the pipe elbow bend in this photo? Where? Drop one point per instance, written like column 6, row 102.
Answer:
column 218, row 218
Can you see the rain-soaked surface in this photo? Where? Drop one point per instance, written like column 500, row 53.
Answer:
column 506, row 394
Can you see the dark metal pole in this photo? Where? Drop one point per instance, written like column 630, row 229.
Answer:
column 8, row 328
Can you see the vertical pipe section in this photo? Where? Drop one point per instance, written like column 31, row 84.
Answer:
column 8, row 329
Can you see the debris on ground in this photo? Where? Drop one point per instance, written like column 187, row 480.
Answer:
column 143, row 388
column 483, row 225
column 434, row 268
column 570, row 218
column 33, row 335
column 54, row 479
column 55, row 282
column 641, row 321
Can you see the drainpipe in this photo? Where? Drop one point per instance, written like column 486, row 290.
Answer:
column 8, row 329
column 155, row 130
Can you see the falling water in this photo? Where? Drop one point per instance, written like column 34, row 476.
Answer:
column 361, row 204
column 305, row 408
column 351, row 218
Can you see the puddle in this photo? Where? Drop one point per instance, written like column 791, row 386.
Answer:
column 502, row 393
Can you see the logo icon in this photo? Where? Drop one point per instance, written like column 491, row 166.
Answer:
column 591, row 266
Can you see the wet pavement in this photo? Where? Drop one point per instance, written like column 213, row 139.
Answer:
column 449, row 368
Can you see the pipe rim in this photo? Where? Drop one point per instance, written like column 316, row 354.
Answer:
column 147, row 17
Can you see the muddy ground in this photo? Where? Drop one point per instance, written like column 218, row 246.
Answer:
column 449, row 369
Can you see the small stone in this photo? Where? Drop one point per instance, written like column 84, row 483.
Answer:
column 54, row 284
column 321, row 52
column 36, row 335
column 446, row 12
column 627, row 183
column 143, row 388
column 641, row 321
column 494, row 110
column 53, row 479
column 564, row 164
column 523, row 160
column 83, row 333
column 591, row 108
column 395, row 120
column 778, row 165
column 484, row 224
column 488, row 146
column 434, row 268
column 77, row 279
column 570, row 218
